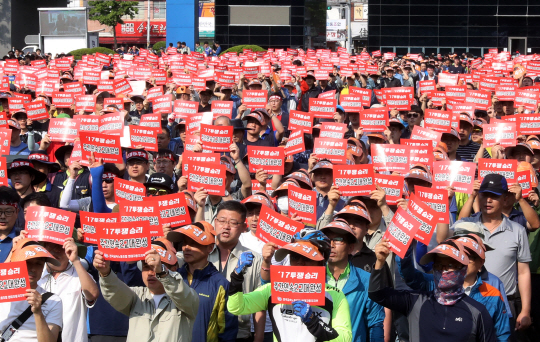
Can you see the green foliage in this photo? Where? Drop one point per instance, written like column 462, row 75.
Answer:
column 110, row 13
column 240, row 48
column 80, row 52
column 159, row 45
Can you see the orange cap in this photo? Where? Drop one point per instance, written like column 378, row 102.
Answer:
column 353, row 210
column 303, row 248
column 166, row 251
column 201, row 232
column 33, row 252
column 453, row 249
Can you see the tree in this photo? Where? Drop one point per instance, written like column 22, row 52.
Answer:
column 110, row 13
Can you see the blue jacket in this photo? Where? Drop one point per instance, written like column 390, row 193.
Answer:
column 213, row 322
column 489, row 292
column 366, row 316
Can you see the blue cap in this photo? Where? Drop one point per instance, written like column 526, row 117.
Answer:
column 495, row 184
column 338, row 107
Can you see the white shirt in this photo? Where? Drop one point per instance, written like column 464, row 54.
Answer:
column 68, row 286
column 157, row 299
column 52, row 310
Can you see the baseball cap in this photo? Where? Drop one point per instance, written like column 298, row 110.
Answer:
column 420, row 175
column 355, row 147
column 449, row 248
column 353, row 210
column 166, row 251
column 510, row 149
column 33, row 252
column 201, row 232
column 284, row 186
column 258, row 198
column 479, row 122
column 302, row 177
column 396, row 121
column 43, row 157
column 453, row 133
column 533, row 142
column 340, row 227
column 254, row 82
column 256, row 116
column 323, row 164
column 472, row 243
column 495, row 184
column 13, row 124
column 137, row 154
column 227, row 161
column 465, row 117
column 303, row 248
column 160, row 180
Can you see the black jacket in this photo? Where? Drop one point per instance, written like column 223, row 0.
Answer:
column 312, row 92
column 390, row 83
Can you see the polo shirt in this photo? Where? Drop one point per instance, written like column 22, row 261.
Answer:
column 9, row 311
column 6, row 244
column 68, row 287
column 511, row 246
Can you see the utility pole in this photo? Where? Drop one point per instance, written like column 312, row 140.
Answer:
column 349, row 35
column 148, row 27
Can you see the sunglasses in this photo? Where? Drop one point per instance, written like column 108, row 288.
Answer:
column 156, row 192
column 108, row 180
column 477, row 130
column 415, row 115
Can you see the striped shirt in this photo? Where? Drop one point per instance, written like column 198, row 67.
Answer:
column 468, row 152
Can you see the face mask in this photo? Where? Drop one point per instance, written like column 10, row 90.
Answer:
column 449, row 286
column 283, row 204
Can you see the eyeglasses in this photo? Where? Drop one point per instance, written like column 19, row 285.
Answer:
column 108, row 180
column 223, row 221
column 163, row 162
column 413, row 115
column 338, row 240
column 156, row 192
column 477, row 130
column 8, row 213
column 447, row 267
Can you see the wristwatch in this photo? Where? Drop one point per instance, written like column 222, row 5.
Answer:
column 163, row 272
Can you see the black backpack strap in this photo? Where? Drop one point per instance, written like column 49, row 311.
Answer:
column 23, row 317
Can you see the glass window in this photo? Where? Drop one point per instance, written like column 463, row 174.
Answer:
column 431, row 31
column 424, row 20
column 258, row 30
column 394, row 20
column 401, row 31
column 425, row 41
column 141, row 6
column 533, row 10
column 513, row 10
column 483, row 10
column 483, row 31
column 428, row 51
column 445, row 31
column 239, row 30
column 401, row 51
column 160, row 10
column 453, row 10
column 239, row 40
column 424, row 10
column 514, row 2
column 374, row 20
column 280, row 30
column 482, row 21
column 482, row 41
column 395, row 10
column 475, row 51
column 416, row 49
column 452, row 20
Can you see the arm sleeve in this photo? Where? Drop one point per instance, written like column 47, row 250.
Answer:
column 65, row 197
column 381, row 293
column 323, row 221
column 98, row 199
column 375, row 321
column 31, row 142
column 414, row 279
column 184, row 297
column 485, row 331
column 119, row 295
column 249, row 303
column 341, row 330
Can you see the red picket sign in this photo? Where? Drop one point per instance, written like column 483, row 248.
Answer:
column 30, row 81
column 392, row 186
column 488, row 83
column 446, row 79
column 464, row 108
column 506, row 92
column 389, row 55
column 503, row 133
column 211, row 178
column 333, row 130
column 122, row 87
column 334, row 150
column 92, row 223
column 421, row 133
column 276, row 228
column 390, row 157
column 425, row 215
column 85, row 103
column 351, row 103
column 198, row 157
column 103, row 58
column 437, row 97
column 527, row 99
column 528, row 124
column 427, row 87
column 49, row 224
column 36, row 110
column 374, row 120
column 154, row 92
column 172, row 209
column 63, row 129
column 127, row 241
column 183, row 109
column 193, row 123
column 62, row 100
column 440, row 120
column 222, row 108
column 459, row 92
column 291, row 283
column 111, row 124
column 437, row 200
column 91, row 77
column 14, row 280
column 270, row 159
column 303, row 203
column 216, row 138
column 400, row 98
column 3, row 172
column 354, row 180
column 103, row 146
column 114, row 101
column 295, row 143
column 5, row 138
column 401, row 232
column 141, row 211
column 481, row 98
column 365, row 95
column 105, row 85
column 3, row 120
column 376, row 53
column 182, row 80
column 162, row 104
column 125, row 190
column 299, row 120
column 421, row 155
column 323, row 108
column 524, row 180
column 16, row 104
column 88, row 123
column 145, row 138
column 76, row 88
column 151, row 121
column 255, row 98
column 199, row 83
column 504, row 167
column 457, row 174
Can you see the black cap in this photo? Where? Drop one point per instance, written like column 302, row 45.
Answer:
column 238, row 125
column 495, row 184
column 160, row 180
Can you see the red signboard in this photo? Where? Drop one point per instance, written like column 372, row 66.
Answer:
column 391, row 157
column 222, row 108
column 333, row 130
column 172, row 209
column 127, row 241
column 456, row 174
column 323, row 108
column 374, row 120
column 301, row 120
column 440, row 120
column 276, row 228
column 295, row 143
column 86, row 103
column 141, row 137
column 63, row 100
column 421, row 133
column 141, row 211
column 291, row 283
column 401, row 232
column 125, row 190
column 270, row 159
column 183, row 109
column 437, row 200
column 303, row 203
column 14, row 280
column 504, row 167
column 103, row 146
column 49, row 224
column 63, row 129
column 351, row 103
column 36, row 110
column 354, row 180
column 392, row 186
column 140, row 29
column 210, row 177
column 425, row 215
column 255, row 98
column 92, row 223
column 501, row 133
column 331, row 149
column 216, row 138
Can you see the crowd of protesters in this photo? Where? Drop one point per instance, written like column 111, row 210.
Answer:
column 210, row 278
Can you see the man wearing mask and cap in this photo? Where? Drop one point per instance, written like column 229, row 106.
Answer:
column 479, row 284
column 464, row 318
column 366, row 316
column 166, row 309
column 26, row 128
column 510, row 260
column 18, row 147
column 44, row 322
column 305, row 322
column 41, row 162
column 213, row 322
